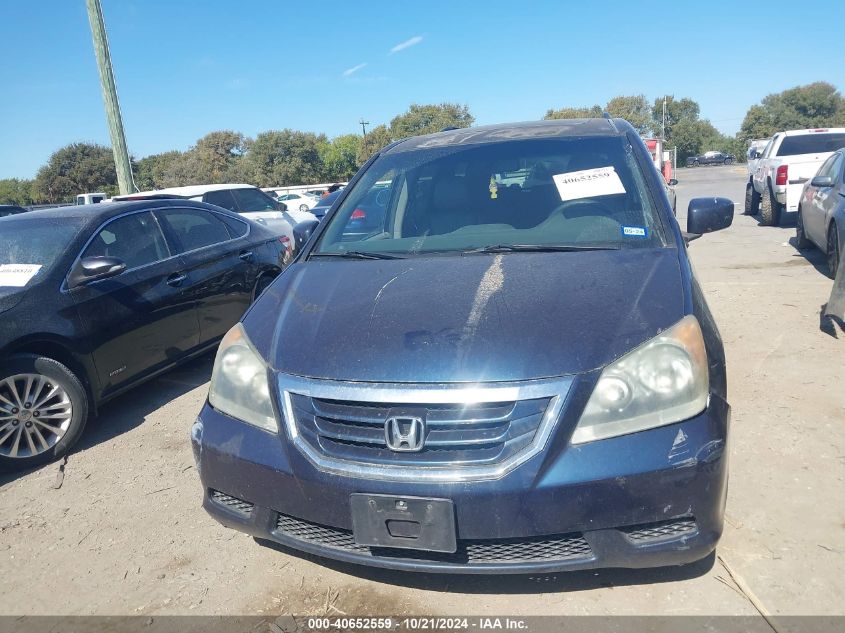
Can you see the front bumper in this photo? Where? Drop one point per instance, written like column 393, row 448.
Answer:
column 649, row 499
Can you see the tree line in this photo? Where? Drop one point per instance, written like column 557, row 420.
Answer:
column 291, row 157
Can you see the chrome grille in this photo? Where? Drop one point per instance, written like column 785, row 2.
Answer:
column 472, row 432
column 455, row 434
column 469, row 552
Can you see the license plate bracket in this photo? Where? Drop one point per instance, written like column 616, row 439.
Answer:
column 418, row 523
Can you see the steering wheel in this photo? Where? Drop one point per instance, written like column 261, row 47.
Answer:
column 582, row 208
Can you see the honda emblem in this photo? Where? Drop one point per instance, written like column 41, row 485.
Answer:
column 405, row 434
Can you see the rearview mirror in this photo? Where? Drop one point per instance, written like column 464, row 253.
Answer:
column 822, row 181
column 95, row 268
column 672, row 182
column 281, row 206
column 705, row 215
column 301, row 233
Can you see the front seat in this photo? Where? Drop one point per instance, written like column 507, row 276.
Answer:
column 451, row 206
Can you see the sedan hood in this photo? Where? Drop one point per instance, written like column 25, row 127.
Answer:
column 10, row 297
column 504, row 317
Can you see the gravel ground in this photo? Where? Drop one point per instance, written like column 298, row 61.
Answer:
column 120, row 529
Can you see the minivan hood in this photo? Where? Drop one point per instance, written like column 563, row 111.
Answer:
column 503, row 317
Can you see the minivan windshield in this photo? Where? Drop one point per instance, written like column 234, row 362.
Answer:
column 506, row 196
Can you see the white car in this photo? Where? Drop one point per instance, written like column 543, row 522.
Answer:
column 300, row 201
column 789, row 160
column 249, row 201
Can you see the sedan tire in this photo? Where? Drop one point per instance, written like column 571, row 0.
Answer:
column 802, row 242
column 729, row 161
column 43, row 410
column 832, row 250
column 303, row 207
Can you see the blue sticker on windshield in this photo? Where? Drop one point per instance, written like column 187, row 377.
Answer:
column 635, row 231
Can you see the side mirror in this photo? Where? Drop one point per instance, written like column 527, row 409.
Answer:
column 281, row 206
column 673, row 182
column 94, row 268
column 822, row 181
column 705, row 215
column 301, row 233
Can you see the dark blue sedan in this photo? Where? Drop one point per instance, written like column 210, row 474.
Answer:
column 512, row 369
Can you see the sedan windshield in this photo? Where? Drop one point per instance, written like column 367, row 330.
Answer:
column 37, row 243
column 580, row 192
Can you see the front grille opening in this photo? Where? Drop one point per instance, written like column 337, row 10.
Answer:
column 660, row 530
column 240, row 506
column 456, row 434
column 558, row 547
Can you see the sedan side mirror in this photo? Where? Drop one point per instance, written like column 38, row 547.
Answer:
column 95, row 268
column 301, row 233
column 281, row 206
column 822, row 181
column 705, row 215
column 672, row 182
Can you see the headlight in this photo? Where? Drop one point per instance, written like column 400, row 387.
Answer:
column 239, row 385
column 663, row 381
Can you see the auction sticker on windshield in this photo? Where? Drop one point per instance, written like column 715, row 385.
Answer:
column 17, row 275
column 588, row 183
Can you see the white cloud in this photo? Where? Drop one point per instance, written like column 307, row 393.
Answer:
column 401, row 46
column 353, row 70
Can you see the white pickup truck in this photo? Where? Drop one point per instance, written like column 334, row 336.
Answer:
column 789, row 160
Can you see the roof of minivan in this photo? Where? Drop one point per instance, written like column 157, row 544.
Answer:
column 514, row 131
column 190, row 191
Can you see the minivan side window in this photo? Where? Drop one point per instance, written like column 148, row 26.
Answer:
column 194, row 228
column 136, row 239
column 222, row 198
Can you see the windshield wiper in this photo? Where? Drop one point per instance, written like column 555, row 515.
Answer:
column 359, row 255
column 540, row 248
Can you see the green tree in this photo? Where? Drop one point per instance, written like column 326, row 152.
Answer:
column 817, row 104
column 694, row 137
column 217, row 157
column 634, row 109
column 590, row 112
column 74, row 169
column 285, row 157
column 684, row 109
column 425, row 119
column 339, row 158
column 151, row 171
column 377, row 138
column 16, row 191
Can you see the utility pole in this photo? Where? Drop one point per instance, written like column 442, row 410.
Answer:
column 663, row 125
column 364, row 125
column 115, row 122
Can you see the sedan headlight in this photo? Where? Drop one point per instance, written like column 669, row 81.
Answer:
column 663, row 381
column 239, row 386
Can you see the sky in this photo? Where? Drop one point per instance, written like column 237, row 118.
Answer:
column 187, row 67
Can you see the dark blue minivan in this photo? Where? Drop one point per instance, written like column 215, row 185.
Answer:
column 513, row 370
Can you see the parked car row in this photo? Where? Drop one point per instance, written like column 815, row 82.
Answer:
column 801, row 171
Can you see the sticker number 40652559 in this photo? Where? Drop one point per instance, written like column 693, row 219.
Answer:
column 588, row 183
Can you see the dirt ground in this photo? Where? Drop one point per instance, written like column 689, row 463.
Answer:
column 121, row 530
